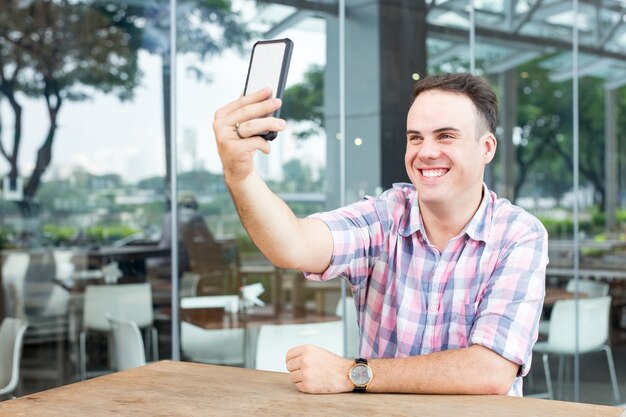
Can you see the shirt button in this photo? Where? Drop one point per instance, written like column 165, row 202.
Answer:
column 432, row 308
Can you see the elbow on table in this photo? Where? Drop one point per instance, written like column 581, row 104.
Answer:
column 496, row 386
column 496, row 383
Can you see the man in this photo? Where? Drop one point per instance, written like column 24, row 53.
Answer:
column 448, row 280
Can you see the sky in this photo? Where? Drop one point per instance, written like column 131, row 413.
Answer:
column 104, row 135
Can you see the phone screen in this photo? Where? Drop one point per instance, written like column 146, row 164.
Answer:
column 269, row 64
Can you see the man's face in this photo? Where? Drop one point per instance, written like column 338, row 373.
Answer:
column 444, row 159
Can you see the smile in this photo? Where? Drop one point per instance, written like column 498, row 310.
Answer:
column 433, row 173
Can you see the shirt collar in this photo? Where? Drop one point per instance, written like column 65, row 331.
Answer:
column 476, row 229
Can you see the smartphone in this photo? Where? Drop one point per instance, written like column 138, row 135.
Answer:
column 269, row 64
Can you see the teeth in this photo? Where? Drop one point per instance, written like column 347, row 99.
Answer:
column 432, row 173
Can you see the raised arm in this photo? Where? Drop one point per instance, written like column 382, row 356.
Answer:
column 287, row 241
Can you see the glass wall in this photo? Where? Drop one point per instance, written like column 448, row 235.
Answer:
column 255, row 293
column 83, row 165
column 105, row 134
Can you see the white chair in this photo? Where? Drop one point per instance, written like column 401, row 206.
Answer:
column 353, row 335
column 590, row 289
column 11, row 338
column 276, row 339
column 31, row 294
column 14, row 268
column 215, row 346
column 123, row 301
column 189, row 284
column 128, row 346
column 593, row 334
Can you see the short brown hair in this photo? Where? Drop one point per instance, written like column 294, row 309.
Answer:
column 476, row 88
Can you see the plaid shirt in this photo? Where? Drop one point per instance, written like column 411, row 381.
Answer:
column 485, row 288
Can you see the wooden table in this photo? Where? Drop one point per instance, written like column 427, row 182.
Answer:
column 593, row 273
column 555, row 294
column 217, row 318
column 186, row 389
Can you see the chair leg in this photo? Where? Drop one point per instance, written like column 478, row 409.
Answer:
column 561, row 376
column 546, row 368
column 82, row 355
column 609, row 358
column 155, row 344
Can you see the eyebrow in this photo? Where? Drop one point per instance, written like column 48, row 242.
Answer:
column 440, row 130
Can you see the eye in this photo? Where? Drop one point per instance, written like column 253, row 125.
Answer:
column 414, row 138
column 446, row 136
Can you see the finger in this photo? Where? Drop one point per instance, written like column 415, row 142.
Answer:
column 266, row 124
column 259, row 110
column 292, row 364
column 294, row 352
column 255, row 97
column 296, row 376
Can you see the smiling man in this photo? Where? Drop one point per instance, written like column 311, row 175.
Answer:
column 448, row 280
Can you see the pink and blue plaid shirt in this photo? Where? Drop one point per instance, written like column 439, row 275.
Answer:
column 486, row 287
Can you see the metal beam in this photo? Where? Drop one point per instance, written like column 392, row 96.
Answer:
column 516, row 59
column 528, row 16
column 316, row 6
column 588, row 68
column 616, row 82
column 448, row 53
column 290, row 21
column 510, row 40
column 609, row 34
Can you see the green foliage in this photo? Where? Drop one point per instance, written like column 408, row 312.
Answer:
column 6, row 234
column 109, row 233
column 63, row 235
column 564, row 228
column 59, row 235
column 304, row 102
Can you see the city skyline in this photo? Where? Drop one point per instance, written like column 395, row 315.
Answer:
column 106, row 136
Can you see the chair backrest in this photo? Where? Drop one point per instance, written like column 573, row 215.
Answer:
column 276, row 339
column 64, row 267
column 14, row 269
column 121, row 301
column 189, row 284
column 593, row 324
column 11, row 338
column 217, row 346
column 127, row 344
column 589, row 288
column 203, row 251
column 353, row 335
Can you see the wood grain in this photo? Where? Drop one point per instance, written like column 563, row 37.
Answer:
column 186, row 389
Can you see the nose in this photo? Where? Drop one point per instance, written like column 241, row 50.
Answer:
column 429, row 149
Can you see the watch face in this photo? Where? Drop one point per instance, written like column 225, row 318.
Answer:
column 360, row 374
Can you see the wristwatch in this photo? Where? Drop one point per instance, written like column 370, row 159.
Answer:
column 361, row 375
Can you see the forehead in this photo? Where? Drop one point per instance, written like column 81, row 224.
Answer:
column 435, row 109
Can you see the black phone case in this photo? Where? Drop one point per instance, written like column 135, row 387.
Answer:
column 282, row 80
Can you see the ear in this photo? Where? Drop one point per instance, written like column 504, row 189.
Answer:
column 489, row 145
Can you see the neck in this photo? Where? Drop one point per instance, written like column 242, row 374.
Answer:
column 445, row 221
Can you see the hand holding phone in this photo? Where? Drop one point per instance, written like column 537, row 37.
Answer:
column 269, row 64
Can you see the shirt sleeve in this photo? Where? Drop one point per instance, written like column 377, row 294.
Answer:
column 509, row 312
column 358, row 235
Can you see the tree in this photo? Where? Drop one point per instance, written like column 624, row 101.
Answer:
column 545, row 115
column 204, row 28
column 304, row 102
column 60, row 50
